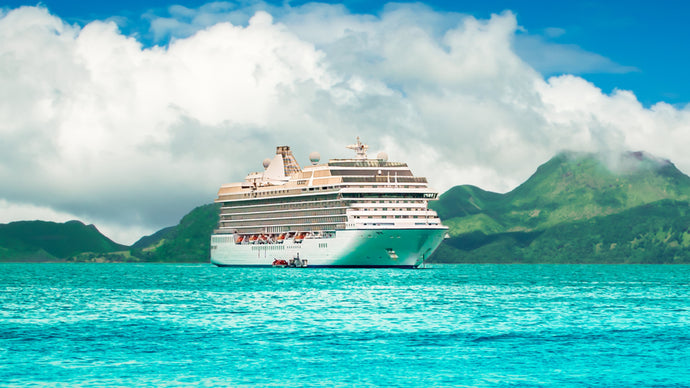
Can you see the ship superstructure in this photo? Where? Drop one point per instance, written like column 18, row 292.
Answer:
column 357, row 212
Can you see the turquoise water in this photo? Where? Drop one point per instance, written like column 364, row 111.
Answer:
column 464, row 325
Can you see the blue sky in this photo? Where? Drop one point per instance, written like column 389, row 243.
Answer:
column 647, row 40
column 128, row 114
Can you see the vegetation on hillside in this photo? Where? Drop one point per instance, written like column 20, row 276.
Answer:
column 574, row 209
column 189, row 241
column 41, row 240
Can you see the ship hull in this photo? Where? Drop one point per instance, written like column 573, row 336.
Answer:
column 359, row 248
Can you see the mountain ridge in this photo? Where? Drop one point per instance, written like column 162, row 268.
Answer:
column 576, row 207
column 569, row 190
column 21, row 240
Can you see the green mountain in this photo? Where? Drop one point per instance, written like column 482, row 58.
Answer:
column 189, row 241
column 153, row 239
column 41, row 240
column 575, row 208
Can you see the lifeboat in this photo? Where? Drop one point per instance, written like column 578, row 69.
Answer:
column 280, row 263
column 281, row 237
column 239, row 239
column 253, row 238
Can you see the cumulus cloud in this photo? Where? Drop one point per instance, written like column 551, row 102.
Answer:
column 554, row 58
column 99, row 126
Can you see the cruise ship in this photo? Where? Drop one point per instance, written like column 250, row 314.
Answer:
column 357, row 212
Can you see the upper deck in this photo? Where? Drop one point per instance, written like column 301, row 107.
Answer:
column 283, row 178
column 358, row 193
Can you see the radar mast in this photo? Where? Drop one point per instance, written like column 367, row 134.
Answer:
column 360, row 149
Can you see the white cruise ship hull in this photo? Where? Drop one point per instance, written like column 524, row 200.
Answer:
column 406, row 248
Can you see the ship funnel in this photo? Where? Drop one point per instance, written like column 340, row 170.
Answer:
column 290, row 164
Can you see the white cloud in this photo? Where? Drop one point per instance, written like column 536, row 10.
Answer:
column 10, row 212
column 183, row 22
column 29, row 212
column 98, row 127
column 554, row 32
column 557, row 58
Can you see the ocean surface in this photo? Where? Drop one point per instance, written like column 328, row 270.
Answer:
column 455, row 325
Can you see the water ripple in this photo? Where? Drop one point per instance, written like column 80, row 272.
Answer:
column 467, row 325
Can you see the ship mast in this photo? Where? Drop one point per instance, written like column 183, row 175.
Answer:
column 360, row 149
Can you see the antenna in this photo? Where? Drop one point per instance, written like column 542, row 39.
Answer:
column 360, row 149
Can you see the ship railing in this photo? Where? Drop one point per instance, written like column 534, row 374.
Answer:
column 364, row 163
column 384, row 179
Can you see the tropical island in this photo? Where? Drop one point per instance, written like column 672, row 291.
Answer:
column 574, row 209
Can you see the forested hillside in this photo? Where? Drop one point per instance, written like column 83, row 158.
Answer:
column 574, row 209
column 41, row 240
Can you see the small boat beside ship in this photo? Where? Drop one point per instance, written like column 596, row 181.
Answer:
column 295, row 262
